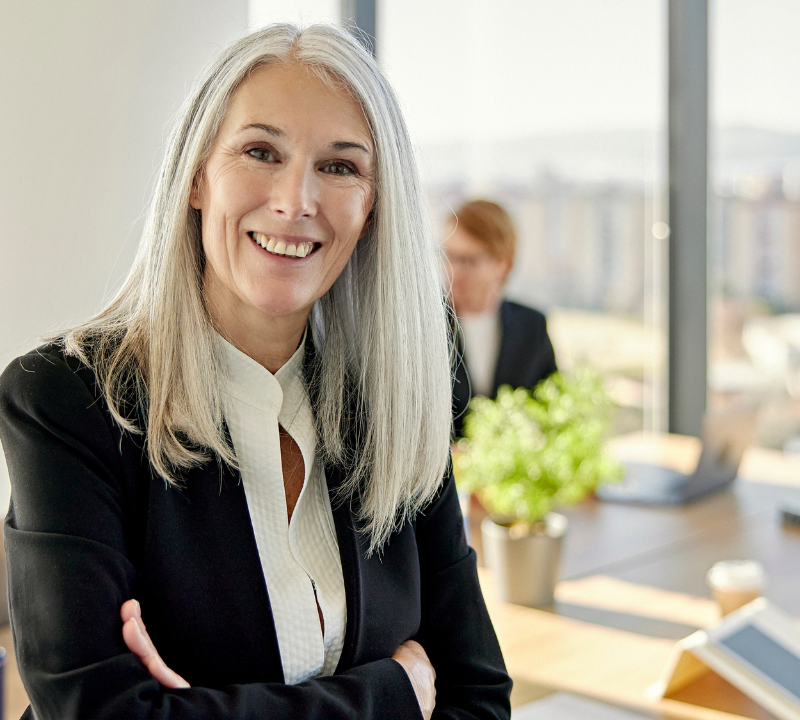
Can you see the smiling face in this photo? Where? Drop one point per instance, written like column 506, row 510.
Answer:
column 284, row 197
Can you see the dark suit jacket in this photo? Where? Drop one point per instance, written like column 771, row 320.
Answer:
column 90, row 526
column 526, row 357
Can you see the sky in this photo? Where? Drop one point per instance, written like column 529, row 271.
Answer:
column 755, row 63
column 503, row 69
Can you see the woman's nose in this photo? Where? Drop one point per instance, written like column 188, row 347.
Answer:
column 293, row 194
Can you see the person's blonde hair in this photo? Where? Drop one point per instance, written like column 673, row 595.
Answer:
column 491, row 225
column 382, row 373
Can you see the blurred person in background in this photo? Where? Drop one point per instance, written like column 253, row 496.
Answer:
column 499, row 342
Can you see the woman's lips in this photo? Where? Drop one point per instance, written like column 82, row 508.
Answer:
column 281, row 247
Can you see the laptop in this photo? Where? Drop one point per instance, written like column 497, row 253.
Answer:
column 724, row 439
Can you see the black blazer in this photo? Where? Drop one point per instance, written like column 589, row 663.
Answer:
column 90, row 526
column 526, row 357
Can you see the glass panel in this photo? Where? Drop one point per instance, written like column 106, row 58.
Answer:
column 754, row 250
column 557, row 112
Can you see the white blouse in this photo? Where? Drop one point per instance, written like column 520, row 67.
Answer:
column 300, row 556
column 481, row 348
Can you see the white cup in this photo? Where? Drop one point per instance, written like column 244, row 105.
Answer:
column 735, row 583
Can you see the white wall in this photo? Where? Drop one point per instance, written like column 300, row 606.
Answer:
column 87, row 90
column 302, row 12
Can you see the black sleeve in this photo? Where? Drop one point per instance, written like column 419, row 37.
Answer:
column 456, row 632
column 70, row 570
column 541, row 356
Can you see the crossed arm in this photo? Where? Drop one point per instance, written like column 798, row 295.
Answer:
column 410, row 655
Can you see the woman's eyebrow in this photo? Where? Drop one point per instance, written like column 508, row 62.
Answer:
column 337, row 145
column 347, row 145
column 270, row 129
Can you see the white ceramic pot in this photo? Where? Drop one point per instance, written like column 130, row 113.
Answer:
column 525, row 566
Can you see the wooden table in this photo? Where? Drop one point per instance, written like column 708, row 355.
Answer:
column 633, row 582
column 16, row 699
column 568, row 706
column 673, row 547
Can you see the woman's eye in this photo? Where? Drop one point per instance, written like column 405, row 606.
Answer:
column 338, row 168
column 262, row 154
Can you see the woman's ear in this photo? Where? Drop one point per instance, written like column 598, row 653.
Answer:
column 195, row 199
column 368, row 223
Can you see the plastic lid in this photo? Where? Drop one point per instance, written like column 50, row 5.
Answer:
column 738, row 574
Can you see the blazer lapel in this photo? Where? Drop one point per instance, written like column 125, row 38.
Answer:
column 350, row 550
column 203, row 570
column 351, row 557
column 505, row 358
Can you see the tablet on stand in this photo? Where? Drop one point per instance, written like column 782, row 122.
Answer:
column 756, row 649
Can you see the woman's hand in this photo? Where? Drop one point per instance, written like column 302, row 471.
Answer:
column 414, row 660
column 411, row 656
column 140, row 644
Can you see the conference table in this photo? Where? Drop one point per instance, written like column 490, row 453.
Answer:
column 632, row 584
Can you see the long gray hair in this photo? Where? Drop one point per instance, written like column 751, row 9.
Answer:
column 380, row 332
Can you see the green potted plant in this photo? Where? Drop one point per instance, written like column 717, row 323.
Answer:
column 525, row 454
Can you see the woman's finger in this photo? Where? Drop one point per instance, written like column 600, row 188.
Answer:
column 129, row 609
column 139, row 643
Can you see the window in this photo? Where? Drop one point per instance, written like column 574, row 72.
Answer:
column 557, row 111
column 754, row 218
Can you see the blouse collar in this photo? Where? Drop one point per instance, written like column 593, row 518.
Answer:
column 252, row 383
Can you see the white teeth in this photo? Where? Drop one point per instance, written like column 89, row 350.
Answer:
column 281, row 247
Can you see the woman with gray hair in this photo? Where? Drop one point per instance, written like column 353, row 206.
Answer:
column 245, row 448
